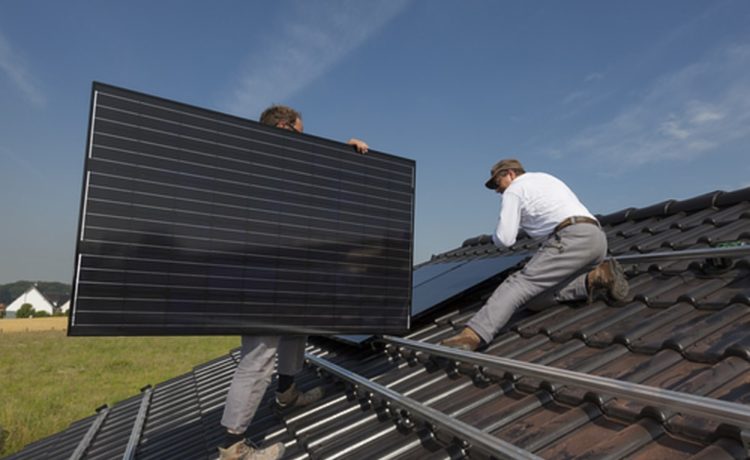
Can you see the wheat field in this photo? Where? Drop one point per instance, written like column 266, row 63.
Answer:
column 58, row 323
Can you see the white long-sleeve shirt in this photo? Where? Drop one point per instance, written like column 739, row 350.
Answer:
column 535, row 202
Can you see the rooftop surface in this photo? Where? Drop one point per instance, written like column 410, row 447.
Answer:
column 684, row 328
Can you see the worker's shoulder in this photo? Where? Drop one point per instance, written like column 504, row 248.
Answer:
column 531, row 179
column 536, row 184
column 540, row 175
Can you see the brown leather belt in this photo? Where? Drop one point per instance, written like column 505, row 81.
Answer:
column 576, row 220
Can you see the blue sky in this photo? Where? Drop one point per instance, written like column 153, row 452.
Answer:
column 630, row 103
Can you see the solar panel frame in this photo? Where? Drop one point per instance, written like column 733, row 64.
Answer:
column 195, row 222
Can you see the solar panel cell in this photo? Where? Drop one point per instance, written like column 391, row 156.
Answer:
column 195, row 221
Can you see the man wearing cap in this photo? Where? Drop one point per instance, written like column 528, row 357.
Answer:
column 569, row 265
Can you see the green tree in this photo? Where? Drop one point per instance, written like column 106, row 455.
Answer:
column 26, row 311
column 40, row 314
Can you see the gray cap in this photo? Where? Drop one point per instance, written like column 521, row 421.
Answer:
column 502, row 165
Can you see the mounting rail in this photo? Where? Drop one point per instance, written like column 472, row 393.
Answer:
column 686, row 254
column 93, row 430
column 475, row 438
column 140, row 420
column 722, row 411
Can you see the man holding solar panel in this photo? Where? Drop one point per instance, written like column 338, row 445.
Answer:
column 569, row 265
column 253, row 373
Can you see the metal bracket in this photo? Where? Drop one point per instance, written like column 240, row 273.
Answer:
column 745, row 437
column 479, row 377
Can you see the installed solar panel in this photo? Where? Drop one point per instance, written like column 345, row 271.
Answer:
column 425, row 273
column 452, row 281
column 198, row 222
column 438, row 283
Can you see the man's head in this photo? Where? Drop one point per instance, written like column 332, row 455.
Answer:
column 503, row 173
column 282, row 117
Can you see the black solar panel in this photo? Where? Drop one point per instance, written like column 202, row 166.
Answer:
column 198, row 222
column 445, row 281
column 435, row 284
column 425, row 273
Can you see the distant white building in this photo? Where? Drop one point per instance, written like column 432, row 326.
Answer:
column 65, row 307
column 33, row 297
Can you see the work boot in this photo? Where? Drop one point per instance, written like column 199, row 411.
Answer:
column 607, row 278
column 466, row 340
column 292, row 397
column 244, row 451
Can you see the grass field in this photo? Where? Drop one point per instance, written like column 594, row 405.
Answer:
column 49, row 380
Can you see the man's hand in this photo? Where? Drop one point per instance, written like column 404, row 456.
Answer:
column 361, row 146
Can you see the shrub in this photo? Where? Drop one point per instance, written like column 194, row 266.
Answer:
column 40, row 314
column 26, row 311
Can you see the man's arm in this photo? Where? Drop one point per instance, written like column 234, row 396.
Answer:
column 361, row 146
column 510, row 219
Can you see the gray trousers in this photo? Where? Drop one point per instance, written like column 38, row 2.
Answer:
column 556, row 273
column 254, row 371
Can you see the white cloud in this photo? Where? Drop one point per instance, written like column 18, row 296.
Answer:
column 579, row 100
column 15, row 70
column 706, row 116
column 575, row 96
column 316, row 36
column 593, row 77
column 579, row 95
column 690, row 112
column 673, row 129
